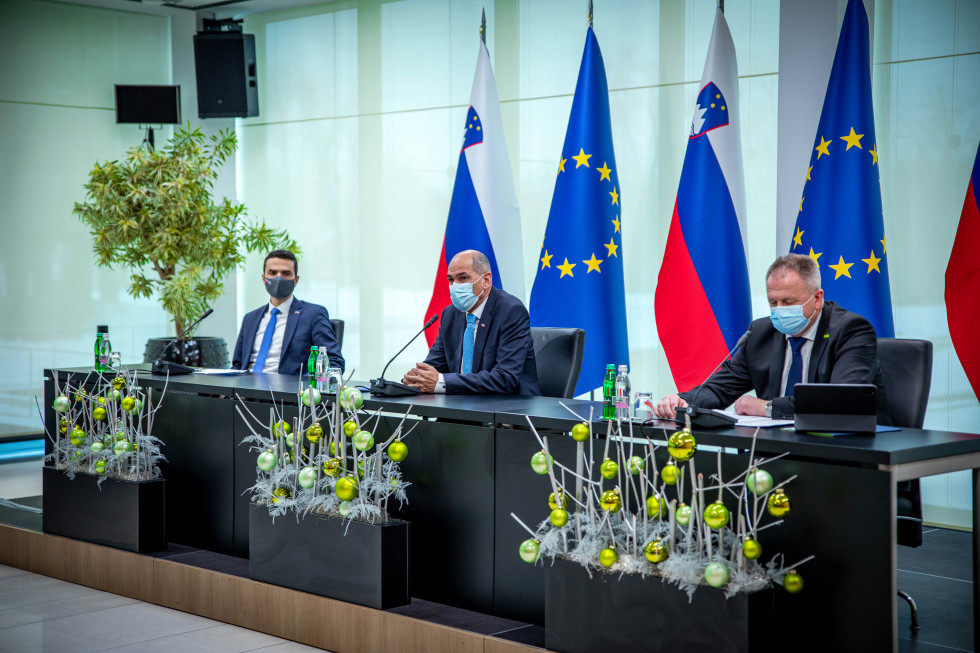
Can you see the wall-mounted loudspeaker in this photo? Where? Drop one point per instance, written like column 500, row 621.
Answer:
column 226, row 77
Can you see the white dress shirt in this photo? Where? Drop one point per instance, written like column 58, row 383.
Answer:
column 478, row 312
column 275, row 347
column 810, row 334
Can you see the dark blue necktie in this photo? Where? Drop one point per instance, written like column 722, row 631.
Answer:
column 270, row 330
column 795, row 366
column 468, row 339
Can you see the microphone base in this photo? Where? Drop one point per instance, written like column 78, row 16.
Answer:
column 704, row 419
column 164, row 368
column 382, row 388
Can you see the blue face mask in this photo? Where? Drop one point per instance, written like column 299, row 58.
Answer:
column 463, row 295
column 790, row 319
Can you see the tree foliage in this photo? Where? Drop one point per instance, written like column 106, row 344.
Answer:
column 154, row 214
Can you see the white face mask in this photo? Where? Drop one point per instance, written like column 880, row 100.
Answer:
column 790, row 319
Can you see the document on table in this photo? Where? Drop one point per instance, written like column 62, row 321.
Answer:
column 217, row 371
column 761, row 422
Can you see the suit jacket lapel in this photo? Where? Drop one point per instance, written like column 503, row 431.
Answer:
column 819, row 343
column 776, row 364
column 483, row 327
column 292, row 320
column 250, row 327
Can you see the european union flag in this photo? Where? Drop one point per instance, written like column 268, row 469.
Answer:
column 579, row 282
column 840, row 223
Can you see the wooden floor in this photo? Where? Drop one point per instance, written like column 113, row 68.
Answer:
column 306, row 618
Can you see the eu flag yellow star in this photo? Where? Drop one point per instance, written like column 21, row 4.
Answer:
column 561, row 165
column 615, row 195
column 581, row 159
column 884, row 248
column 808, row 171
column 852, row 140
column 611, row 248
column 593, row 264
column 822, row 148
column 815, row 256
column 546, row 260
column 872, row 262
column 841, row 268
column 566, row 268
column 604, row 171
column 615, row 222
column 874, row 154
column 798, row 238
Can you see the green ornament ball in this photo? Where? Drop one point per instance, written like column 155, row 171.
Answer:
column 656, row 506
column 344, row 508
column 681, row 445
column 669, row 473
column 346, row 488
column 656, row 551
column 77, row 436
column 97, row 447
column 759, row 481
column 778, row 503
column 266, row 461
column 363, row 440
column 332, row 467
column 716, row 515
column 280, row 493
column 128, row 403
column 116, row 395
column 540, row 462
column 635, row 464
column 281, row 428
column 558, row 517
column 683, row 514
column 611, row 501
column 751, row 549
column 99, row 467
column 61, row 404
column 350, row 427
column 137, row 406
column 608, row 557
column 306, row 477
column 529, row 551
column 122, row 446
column 63, row 426
column 609, row 469
column 351, row 398
column 717, row 574
column 310, row 396
column 397, row 451
column 793, row 582
column 580, row 432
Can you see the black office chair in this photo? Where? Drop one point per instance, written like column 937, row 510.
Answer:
column 338, row 330
column 558, row 353
column 906, row 369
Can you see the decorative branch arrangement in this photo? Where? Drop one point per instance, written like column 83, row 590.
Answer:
column 325, row 461
column 105, row 429
column 689, row 541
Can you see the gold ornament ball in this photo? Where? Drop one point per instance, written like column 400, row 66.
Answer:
column 119, row 383
column 529, row 551
column 683, row 514
column 682, row 445
column 397, row 451
column 63, row 426
column 580, row 432
column 102, row 400
column 635, row 464
column 540, row 463
column 280, row 493
column 716, row 515
column 751, row 549
column 99, row 413
column 656, row 551
column 128, row 403
column 608, row 557
column 669, row 473
column 314, row 433
column 609, row 469
column 346, row 489
column 656, row 506
column 350, row 427
column 717, row 574
column 778, row 503
column 611, row 501
column 558, row 517
column 332, row 467
column 552, row 503
column 61, row 404
column 793, row 582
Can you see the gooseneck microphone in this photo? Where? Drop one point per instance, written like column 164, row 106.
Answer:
column 161, row 366
column 382, row 388
column 708, row 419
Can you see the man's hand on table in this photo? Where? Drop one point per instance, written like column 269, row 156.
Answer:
column 423, row 376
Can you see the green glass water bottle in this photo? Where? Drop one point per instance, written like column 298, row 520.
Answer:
column 311, row 365
column 608, row 390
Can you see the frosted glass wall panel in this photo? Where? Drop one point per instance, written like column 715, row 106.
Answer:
column 68, row 57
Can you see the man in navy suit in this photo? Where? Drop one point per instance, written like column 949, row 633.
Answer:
column 484, row 344
column 277, row 337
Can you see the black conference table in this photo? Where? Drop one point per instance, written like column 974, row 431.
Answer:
column 469, row 469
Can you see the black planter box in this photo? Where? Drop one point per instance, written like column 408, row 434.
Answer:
column 625, row 614
column 368, row 565
column 126, row 515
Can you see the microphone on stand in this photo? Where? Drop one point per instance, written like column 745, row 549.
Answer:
column 709, row 418
column 161, row 366
column 382, row 388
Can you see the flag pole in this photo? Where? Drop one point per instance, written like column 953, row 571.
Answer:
column 590, row 13
column 721, row 5
column 483, row 27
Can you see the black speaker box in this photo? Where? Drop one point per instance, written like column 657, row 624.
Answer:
column 226, row 76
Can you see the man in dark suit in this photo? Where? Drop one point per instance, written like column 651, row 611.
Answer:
column 277, row 337
column 484, row 344
column 804, row 340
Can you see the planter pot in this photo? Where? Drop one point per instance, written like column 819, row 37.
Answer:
column 368, row 565
column 632, row 614
column 126, row 515
column 201, row 351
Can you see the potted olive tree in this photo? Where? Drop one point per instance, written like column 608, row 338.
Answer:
column 154, row 214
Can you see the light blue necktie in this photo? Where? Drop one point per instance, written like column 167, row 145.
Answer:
column 795, row 366
column 468, row 338
column 270, row 330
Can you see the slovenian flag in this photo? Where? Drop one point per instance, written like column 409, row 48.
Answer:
column 702, row 303
column 963, row 283
column 483, row 214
